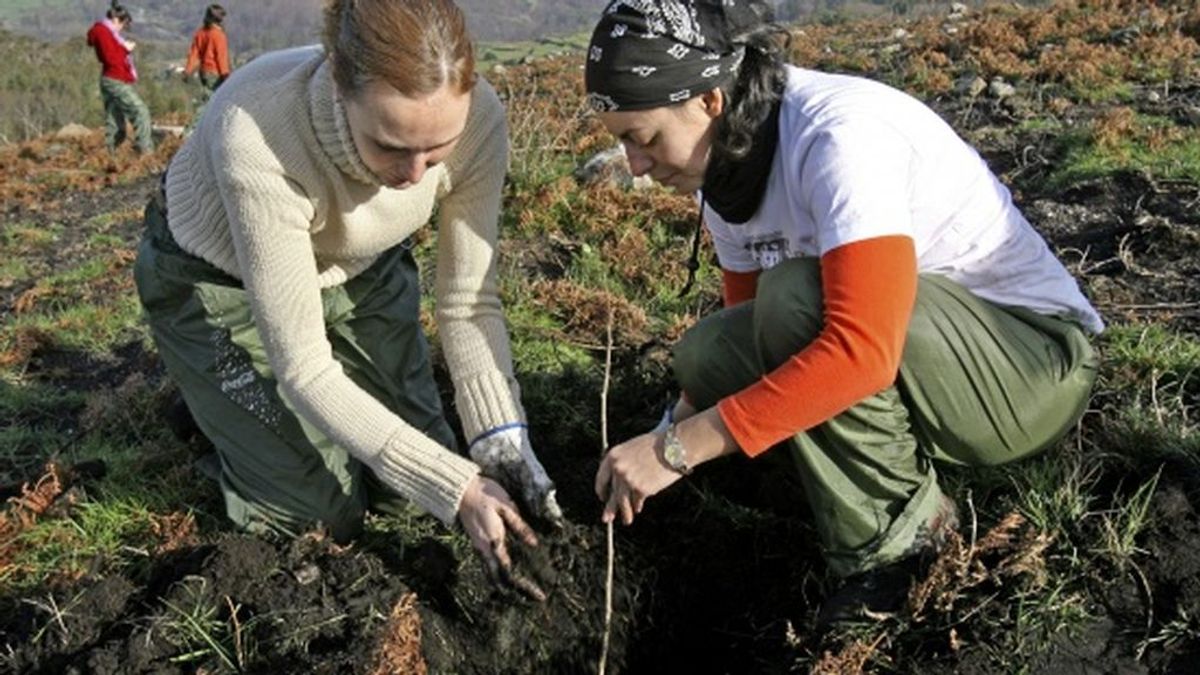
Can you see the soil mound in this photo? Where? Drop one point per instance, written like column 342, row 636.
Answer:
column 244, row 604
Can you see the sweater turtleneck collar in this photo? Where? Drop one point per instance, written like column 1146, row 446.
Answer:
column 333, row 131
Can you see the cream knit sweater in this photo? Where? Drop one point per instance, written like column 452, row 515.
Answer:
column 271, row 190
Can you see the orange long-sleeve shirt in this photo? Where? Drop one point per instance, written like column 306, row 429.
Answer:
column 209, row 52
column 869, row 290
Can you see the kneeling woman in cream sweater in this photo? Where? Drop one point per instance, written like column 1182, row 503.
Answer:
column 282, row 293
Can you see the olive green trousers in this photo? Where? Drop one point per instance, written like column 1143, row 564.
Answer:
column 979, row 384
column 278, row 472
column 122, row 104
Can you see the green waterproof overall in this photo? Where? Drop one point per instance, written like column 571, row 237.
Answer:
column 278, row 472
column 122, row 104
column 979, row 384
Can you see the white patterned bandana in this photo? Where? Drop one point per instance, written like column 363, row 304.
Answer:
column 652, row 53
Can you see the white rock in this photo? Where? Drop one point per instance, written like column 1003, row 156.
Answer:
column 160, row 131
column 1001, row 89
column 971, row 85
column 72, row 132
column 611, row 166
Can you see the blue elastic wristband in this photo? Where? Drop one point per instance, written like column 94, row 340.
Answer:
column 496, row 430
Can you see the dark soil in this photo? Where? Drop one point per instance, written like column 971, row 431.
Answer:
column 308, row 606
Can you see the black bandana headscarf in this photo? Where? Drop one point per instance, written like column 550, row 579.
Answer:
column 651, row 53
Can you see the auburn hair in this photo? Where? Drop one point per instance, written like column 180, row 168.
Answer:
column 416, row 46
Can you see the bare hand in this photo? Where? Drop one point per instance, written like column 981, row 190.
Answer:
column 630, row 473
column 487, row 513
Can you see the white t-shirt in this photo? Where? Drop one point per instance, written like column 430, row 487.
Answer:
column 858, row 160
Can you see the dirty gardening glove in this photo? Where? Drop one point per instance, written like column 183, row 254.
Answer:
column 505, row 454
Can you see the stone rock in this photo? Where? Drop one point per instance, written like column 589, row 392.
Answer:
column 970, row 85
column 899, row 34
column 499, row 69
column 611, row 166
column 161, row 131
column 1001, row 89
column 72, row 132
column 957, row 10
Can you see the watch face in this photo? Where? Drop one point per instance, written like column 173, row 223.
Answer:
column 674, row 454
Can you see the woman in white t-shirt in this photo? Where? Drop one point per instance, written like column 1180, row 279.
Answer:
column 885, row 302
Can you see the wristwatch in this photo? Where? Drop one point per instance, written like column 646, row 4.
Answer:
column 673, row 451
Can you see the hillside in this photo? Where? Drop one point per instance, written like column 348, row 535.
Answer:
column 257, row 25
column 114, row 556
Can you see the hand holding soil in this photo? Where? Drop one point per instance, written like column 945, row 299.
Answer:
column 487, row 513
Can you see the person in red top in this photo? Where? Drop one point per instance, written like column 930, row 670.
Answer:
column 210, row 50
column 117, row 77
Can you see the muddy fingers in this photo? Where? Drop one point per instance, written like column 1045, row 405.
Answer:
column 503, row 573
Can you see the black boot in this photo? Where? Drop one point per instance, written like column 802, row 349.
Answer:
column 870, row 596
column 881, row 591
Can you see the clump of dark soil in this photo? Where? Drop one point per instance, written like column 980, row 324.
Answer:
column 245, row 604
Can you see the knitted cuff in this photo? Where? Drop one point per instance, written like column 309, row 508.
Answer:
column 431, row 476
column 487, row 401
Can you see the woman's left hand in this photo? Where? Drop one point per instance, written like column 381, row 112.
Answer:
column 630, row 473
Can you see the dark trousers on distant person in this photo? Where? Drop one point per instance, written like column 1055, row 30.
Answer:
column 122, row 104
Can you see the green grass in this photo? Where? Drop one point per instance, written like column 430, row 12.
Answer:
column 11, row 9
column 1112, row 92
column 88, row 328
column 491, row 54
column 20, row 238
column 194, row 626
column 11, row 270
column 1176, row 157
column 1151, row 348
column 122, row 429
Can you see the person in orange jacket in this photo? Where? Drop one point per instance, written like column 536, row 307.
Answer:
column 210, row 50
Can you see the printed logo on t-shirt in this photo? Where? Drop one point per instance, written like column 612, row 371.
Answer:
column 769, row 250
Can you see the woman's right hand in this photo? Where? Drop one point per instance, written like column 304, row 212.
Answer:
column 487, row 513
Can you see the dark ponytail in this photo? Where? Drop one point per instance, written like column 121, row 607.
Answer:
column 117, row 12
column 214, row 16
column 754, row 94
